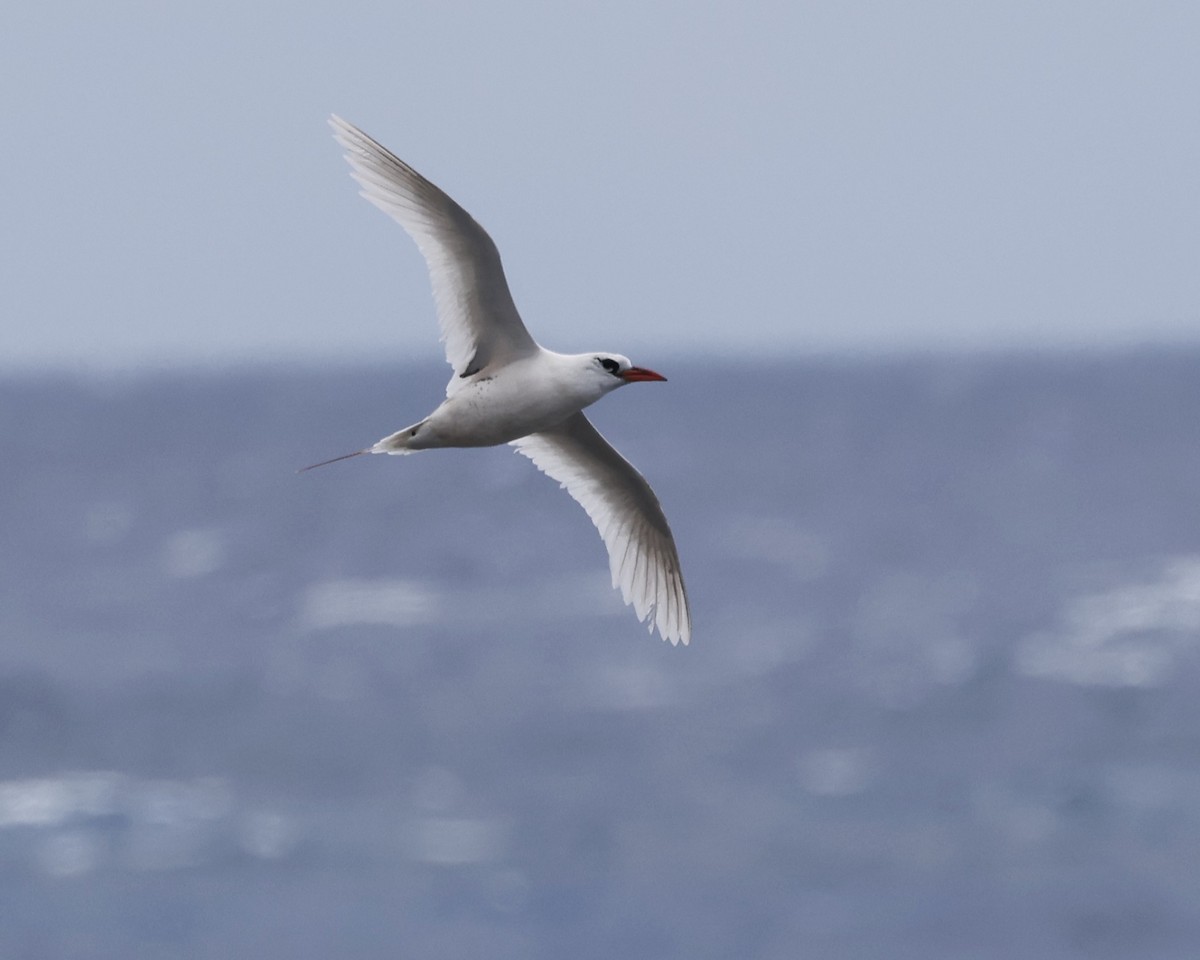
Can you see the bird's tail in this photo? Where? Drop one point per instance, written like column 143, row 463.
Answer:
column 402, row 441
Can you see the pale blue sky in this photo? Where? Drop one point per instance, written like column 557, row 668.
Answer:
column 659, row 176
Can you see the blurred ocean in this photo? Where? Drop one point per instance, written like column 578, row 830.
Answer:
column 941, row 700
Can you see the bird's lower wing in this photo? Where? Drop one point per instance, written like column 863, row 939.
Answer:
column 479, row 321
column 641, row 550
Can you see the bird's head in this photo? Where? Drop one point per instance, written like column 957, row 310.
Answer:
column 611, row 370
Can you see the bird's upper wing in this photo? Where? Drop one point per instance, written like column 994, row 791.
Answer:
column 479, row 321
column 641, row 550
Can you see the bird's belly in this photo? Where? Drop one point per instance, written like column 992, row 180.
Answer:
column 487, row 413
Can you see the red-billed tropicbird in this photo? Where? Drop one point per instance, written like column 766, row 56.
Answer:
column 507, row 389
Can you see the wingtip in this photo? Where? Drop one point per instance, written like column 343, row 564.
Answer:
column 674, row 633
column 348, row 136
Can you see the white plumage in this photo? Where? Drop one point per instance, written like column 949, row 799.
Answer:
column 641, row 550
column 507, row 389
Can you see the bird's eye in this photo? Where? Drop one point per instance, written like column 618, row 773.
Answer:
column 610, row 365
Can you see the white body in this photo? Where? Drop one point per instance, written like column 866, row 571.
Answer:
column 526, row 396
column 508, row 389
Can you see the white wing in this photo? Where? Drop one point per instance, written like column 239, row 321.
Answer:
column 641, row 550
column 479, row 321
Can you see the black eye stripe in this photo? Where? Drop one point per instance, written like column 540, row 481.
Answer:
column 610, row 365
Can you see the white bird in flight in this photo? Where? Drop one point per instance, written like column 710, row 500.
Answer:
column 507, row 389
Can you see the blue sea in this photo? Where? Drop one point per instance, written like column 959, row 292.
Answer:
column 941, row 699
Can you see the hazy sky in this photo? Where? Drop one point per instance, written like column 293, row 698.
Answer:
column 659, row 176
